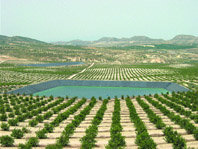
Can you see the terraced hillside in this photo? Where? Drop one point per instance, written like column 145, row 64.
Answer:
column 159, row 121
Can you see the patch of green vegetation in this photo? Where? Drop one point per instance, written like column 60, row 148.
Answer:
column 156, row 46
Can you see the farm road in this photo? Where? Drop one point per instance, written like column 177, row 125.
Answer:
column 70, row 77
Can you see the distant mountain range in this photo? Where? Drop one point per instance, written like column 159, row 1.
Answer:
column 106, row 41
column 135, row 40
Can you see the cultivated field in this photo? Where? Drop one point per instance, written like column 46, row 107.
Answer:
column 160, row 121
column 13, row 76
column 186, row 76
column 132, row 74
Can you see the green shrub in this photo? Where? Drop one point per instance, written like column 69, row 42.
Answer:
column 184, row 123
column 29, row 114
column 11, row 115
column 39, row 118
column 6, row 141
column 143, row 139
column 63, row 140
column 12, row 122
column 47, row 115
column 196, row 134
column 21, row 118
column 33, row 123
column 24, row 146
column 3, row 117
column 41, row 134
column 122, row 97
column 48, row 127
column 17, row 133
column 117, row 140
column 23, row 110
column 25, row 130
column 173, row 137
column 33, row 142
column 17, row 112
column 152, row 116
column 88, row 141
column 8, row 109
column 69, row 129
column 5, row 126
column 54, row 146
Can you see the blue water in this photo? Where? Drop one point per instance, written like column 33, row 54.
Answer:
column 104, row 92
column 55, row 64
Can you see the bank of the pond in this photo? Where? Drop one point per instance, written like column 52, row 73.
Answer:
column 54, row 64
column 32, row 89
column 104, row 92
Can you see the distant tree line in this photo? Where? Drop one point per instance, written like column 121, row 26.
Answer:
column 157, row 46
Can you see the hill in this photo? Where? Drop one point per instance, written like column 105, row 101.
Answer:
column 135, row 40
column 137, row 49
column 184, row 39
column 19, row 40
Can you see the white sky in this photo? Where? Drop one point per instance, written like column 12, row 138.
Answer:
column 63, row 20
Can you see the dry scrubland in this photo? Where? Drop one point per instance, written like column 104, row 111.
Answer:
column 160, row 121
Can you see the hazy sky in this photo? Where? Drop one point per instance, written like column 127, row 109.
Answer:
column 63, row 20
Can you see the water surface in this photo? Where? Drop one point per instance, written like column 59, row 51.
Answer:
column 104, row 92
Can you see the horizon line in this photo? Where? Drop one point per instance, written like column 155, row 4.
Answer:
column 96, row 39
